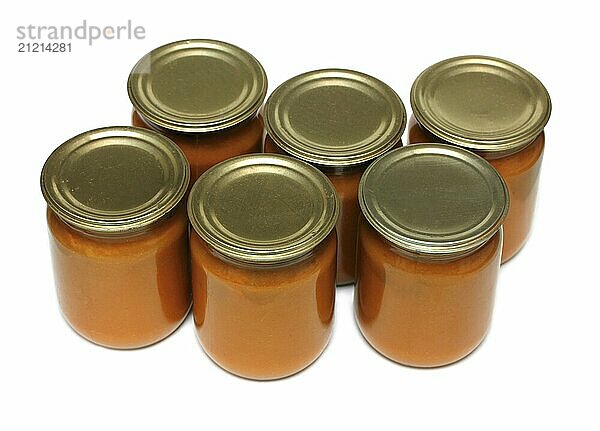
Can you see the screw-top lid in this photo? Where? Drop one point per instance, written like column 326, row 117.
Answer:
column 263, row 208
column 335, row 117
column 115, row 179
column 197, row 86
column 433, row 199
column 481, row 103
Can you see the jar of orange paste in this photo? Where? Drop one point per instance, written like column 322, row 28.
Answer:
column 118, row 234
column 204, row 95
column 495, row 109
column 339, row 121
column 429, row 247
column 263, row 257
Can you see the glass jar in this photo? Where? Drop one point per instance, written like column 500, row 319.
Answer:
column 202, row 94
column 495, row 109
column 118, row 234
column 263, row 258
column 429, row 248
column 338, row 121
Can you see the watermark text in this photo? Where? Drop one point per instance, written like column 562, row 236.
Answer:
column 84, row 31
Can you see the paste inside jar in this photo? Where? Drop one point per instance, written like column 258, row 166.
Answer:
column 123, row 292
column 422, row 312
column 263, row 322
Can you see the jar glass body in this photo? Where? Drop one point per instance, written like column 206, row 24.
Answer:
column 263, row 321
column 126, row 291
column 204, row 150
column 346, row 183
column 420, row 312
column 521, row 172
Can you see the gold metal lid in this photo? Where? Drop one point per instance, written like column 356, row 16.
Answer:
column 263, row 208
column 433, row 199
column 481, row 103
column 197, row 86
column 335, row 117
column 115, row 180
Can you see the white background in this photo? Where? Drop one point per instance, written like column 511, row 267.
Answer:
column 538, row 367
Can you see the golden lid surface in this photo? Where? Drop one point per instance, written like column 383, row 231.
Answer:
column 197, row 86
column 263, row 208
column 433, row 199
column 335, row 117
column 484, row 104
column 115, row 180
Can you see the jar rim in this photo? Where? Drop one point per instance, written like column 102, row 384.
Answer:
column 263, row 208
column 484, row 104
column 335, row 117
column 115, row 180
column 197, row 86
column 436, row 200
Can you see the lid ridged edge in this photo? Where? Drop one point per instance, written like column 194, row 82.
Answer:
column 182, row 126
column 132, row 222
column 431, row 249
column 485, row 145
column 260, row 255
column 339, row 160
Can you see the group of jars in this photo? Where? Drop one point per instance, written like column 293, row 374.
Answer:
column 251, row 213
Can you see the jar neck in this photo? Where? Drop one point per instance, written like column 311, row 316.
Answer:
column 121, row 235
column 166, row 131
column 488, row 155
column 270, row 265
column 326, row 169
column 424, row 257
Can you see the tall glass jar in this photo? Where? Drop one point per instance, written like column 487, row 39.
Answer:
column 202, row 94
column 263, row 257
column 429, row 247
column 339, row 121
column 118, row 234
column 495, row 109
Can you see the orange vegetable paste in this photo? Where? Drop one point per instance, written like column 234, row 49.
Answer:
column 429, row 247
column 263, row 257
column 118, row 234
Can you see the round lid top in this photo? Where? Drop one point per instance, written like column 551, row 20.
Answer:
column 115, row 179
column 263, row 208
column 335, row 117
column 481, row 103
column 433, row 199
column 197, row 86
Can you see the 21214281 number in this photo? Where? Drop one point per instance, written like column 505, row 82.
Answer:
column 44, row 47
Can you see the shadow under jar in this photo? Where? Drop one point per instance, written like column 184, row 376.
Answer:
column 338, row 121
column 495, row 109
column 429, row 247
column 204, row 95
column 263, row 257
column 118, row 234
